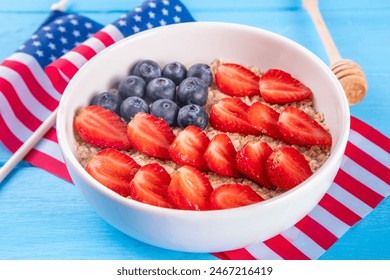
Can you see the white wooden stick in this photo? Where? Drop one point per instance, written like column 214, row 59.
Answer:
column 28, row 145
column 59, row 6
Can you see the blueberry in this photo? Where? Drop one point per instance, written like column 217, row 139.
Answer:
column 192, row 91
column 108, row 100
column 132, row 86
column 201, row 71
column 131, row 106
column 192, row 115
column 175, row 71
column 165, row 109
column 160, row 88
column 147, row 70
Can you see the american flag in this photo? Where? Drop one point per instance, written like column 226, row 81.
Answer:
column 34, row 77
column 64, row 42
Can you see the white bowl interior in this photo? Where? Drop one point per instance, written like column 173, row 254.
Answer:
column 192, row 43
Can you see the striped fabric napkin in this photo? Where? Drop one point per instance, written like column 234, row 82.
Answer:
column 34, row 77
column 362, row 182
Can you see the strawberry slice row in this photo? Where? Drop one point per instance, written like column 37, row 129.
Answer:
column 275, row 86
column 292, row 125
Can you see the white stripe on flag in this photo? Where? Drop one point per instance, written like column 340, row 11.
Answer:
column 77, row 59
column 262, row 252
column 304, row 243
column 37, row 71
column 365, row 177
column 327, row 220
column 25, row 96
column 114, row 32
column 23, row 133
column 94, row 44
column 348, row 200
column 370, row 148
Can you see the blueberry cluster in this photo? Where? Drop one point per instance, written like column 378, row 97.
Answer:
column 172, row 93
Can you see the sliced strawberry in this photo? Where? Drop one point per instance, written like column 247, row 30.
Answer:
column 286, row 167
column 265, row 119
column 150, row 185
column 250, row 161
column 113, row 169
column 279, row 87
column 101, row 127
column 190, row 189
column 231, row 115
column 233, row 195
column 189, row 146
column 298, row 128
column 236, row 80
column 150, row 135
column 220, row 156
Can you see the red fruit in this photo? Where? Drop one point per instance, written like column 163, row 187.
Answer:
column 231, row 115
column 101, row 127
column 250, row 161
column 286, row 167
column 113, row 169
column 220, row 156
column 233, row 195
column 236, row 80
column 279, row 87
column 190, row 189
column 150, row 135
column 298, row 128
column 264, row 119
column 150, row 185
column 189, row 146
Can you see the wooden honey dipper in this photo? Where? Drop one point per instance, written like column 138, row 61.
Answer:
column 349, row 73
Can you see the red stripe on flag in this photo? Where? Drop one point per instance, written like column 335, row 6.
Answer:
column 48, row 163
column 317, row 232
column 284, row 248
column 358, row 189
column 21, row 112
column 85, row 51
column 220, row 255
column 8, row 138
column 370, row 133
column 67, row 67
column 33, row 85
column 105, row 38
column 239, row 254
column 57, row 69
column 339, row 210
column 58, row 81
column 368, row 162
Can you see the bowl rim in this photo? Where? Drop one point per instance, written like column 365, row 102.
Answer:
column 334, row 158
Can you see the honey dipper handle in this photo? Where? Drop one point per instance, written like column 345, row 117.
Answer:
column 312, row 7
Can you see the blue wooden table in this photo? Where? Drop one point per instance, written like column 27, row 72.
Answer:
column 44, row 217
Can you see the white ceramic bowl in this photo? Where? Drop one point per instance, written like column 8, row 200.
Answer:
column 189, row 43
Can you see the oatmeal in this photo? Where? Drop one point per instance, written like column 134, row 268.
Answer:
column 315, row 155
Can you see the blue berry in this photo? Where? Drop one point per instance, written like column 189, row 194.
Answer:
column 147, row 70
column 131, row 106
column 108, row 100
column 201, row 71
column 160, row 88
column 165, row 109
column 192, row 91
column 192, row 115
column 132, row 86
column 175, row 71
